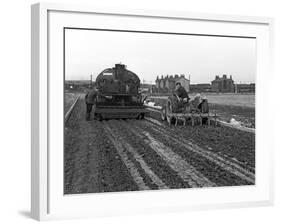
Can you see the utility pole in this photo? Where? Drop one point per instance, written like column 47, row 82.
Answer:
column 91, row 81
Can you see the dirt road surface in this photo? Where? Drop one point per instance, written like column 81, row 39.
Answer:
column 130, row 155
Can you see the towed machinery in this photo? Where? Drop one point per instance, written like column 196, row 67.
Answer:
column 118, row 94
column 175, row 110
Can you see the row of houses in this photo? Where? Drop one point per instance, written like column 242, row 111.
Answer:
column 238, row 88
column 167, row 84
column 223, row 84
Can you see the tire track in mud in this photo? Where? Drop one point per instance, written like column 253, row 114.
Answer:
column 230, row 166
column 128, row 163
column 235, row 163
column 153, row 160
column 91, row 163
column 234, row 145
column 160, row 157
column 124, row 149
column 183, row 169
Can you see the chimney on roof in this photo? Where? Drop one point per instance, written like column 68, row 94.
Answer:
column 182, row 75
column 224, row 76
column 176, row 76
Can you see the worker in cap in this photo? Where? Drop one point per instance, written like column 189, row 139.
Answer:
column 195, row 102
column 90, row 99
column 204, row 106
column 198, row 98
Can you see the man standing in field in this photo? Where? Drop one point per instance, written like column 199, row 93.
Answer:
column 90, row 100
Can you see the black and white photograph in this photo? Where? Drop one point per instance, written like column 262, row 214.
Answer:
column 154, row 111
column 140, row 111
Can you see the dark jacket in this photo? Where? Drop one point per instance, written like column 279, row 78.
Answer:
column 90, row 97
column 181, row 92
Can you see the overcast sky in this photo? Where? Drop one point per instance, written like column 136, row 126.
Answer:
column 148, row 55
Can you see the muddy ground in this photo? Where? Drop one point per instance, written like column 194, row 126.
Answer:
column 130, row 155
column 244, row 115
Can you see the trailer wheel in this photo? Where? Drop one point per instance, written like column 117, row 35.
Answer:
column 172, row 104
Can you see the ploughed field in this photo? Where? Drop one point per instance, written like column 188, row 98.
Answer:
column 130, row 155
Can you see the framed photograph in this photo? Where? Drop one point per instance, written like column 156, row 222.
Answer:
column 138, row 111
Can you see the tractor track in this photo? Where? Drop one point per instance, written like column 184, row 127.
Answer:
column 129, row 155
column 232, row 165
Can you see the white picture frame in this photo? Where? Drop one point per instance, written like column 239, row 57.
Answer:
column 47, row 200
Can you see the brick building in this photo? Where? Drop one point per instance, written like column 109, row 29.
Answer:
column 223, row 84
column 245, row 88
column 167, row 84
